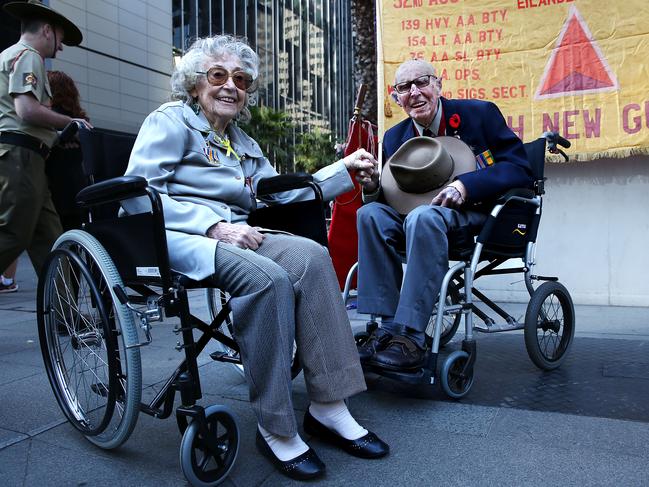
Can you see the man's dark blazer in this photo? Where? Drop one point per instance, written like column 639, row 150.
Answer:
column 482, row 127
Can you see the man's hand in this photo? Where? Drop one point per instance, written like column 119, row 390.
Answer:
column 452, row 196
column 366, row 167
column 242, row 236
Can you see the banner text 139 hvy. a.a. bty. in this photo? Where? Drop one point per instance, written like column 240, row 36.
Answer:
column 575, row 66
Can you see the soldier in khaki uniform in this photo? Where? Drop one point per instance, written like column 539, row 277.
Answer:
column 28, row 220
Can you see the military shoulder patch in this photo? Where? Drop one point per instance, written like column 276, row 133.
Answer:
column 29, row 79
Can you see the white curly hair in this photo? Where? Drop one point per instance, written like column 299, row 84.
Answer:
column 183, row 79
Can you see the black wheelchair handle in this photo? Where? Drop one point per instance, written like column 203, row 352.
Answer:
column 555, row 139
column 69, row 131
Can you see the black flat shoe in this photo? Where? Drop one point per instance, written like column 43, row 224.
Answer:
column 303, row 467
column 368, row 446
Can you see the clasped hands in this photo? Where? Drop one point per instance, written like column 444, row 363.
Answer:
column 366, row 167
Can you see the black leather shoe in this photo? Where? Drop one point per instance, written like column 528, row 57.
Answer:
column 368, row 446
column 401, row 353
column 303, row 467
column 376, row 342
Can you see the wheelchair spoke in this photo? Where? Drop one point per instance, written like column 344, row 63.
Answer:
column 77, row 341
column 550, row 326
column 80, row 329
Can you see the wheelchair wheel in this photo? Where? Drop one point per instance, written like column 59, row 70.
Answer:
column 549, row 325
column 216, row 299
column 450, row 323
column 207, row 459
column 84, row 332
column 454, row 383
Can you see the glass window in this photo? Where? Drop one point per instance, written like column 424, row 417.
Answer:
column 304, row 49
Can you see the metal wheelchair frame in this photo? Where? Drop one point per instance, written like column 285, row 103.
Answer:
column 456, row 297
column 88, row 292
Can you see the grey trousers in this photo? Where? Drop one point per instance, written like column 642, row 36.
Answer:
column 383, row 236
column 284, row 291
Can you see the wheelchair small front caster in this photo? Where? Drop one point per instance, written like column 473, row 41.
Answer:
column 208, row 452
column 455, row 382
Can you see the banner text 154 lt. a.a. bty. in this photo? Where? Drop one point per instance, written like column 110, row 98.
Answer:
column 575, row 66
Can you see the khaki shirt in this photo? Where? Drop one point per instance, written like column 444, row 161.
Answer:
column 22, row 70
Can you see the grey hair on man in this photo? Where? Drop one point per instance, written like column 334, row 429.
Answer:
column 416, row 62
column 183, row 79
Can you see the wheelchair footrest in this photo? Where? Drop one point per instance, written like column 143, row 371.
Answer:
column 544, row 278
column 224, row 357
column 498, row 327
column 421, row 376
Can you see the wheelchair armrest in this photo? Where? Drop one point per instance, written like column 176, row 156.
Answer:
column 287, row 182
column 516, row 195
column 519, row 193
column 114, row 189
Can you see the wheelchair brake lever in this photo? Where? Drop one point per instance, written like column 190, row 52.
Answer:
column 151, row 314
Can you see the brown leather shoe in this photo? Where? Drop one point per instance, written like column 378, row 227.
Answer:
column 401, row 353
column 376, row 342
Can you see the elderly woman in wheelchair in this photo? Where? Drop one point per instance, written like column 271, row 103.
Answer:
column 193, row 171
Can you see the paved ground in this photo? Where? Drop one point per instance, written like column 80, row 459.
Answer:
column 492, row 441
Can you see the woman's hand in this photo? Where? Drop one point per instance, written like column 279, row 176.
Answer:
column 366, row 167
column 242, row 236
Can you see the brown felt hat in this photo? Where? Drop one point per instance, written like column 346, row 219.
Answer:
column 34, row 9
column 421, row 168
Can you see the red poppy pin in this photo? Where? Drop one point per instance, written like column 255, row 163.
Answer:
column 454, row 123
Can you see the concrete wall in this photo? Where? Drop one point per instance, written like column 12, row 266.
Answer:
column 128, row 76
column 594, row 233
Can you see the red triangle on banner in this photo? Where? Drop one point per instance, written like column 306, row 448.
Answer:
column 576, row 65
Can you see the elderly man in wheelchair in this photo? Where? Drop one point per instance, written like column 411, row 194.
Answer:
column 192, row 181
column 436, row 195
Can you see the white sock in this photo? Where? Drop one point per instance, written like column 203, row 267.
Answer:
column 336, row 416
column 7, row 281
column 283, row 447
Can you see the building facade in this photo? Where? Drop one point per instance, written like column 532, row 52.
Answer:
column 304, row 47
column 124, row 64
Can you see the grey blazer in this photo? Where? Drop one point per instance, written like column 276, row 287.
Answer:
column 201, row 184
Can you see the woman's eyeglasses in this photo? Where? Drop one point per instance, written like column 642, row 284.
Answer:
column 420, row 83
column 219, row 76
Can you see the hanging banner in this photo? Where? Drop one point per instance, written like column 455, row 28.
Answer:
column 575, row 66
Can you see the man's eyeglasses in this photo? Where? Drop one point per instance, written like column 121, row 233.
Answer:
column 219, row 76
column 420, row 83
